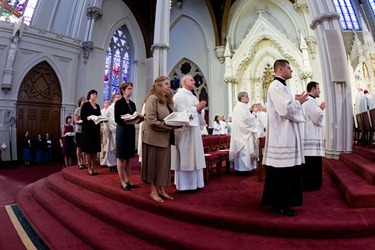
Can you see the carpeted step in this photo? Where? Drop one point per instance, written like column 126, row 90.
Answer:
column 219, row 239
column 367, row 153
column 94, row 232
column 44, row 223
column 358, row 193
column 233, row 208
column 360, row 165
column 146, row 225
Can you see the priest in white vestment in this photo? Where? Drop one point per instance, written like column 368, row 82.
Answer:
column 283, row 152
column 358, row 98
column 223, row 126
column 246, row 129
column 372, row 103
column 188, row 159
column 104, row 135
column 313, row 139
column 110, row 147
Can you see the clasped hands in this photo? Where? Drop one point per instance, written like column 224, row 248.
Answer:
column 303, row 97
column 200, row 106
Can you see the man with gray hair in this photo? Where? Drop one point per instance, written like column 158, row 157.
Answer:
column 188, row 159
column 244, row 136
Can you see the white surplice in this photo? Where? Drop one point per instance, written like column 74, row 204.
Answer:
column 104, row 133
column 283, row 146
column 313, row 128
column 244, row 138
column 111, row 143
column 188, row 155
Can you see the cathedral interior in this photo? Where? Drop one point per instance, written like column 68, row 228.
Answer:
column 53, row 52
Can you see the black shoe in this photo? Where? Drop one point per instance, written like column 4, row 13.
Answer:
column 131, row 185
column 285, row 211
column 93, row 173
column 113, row 169
column 126, row 188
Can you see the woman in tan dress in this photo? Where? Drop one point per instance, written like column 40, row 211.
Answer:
column 157, row 138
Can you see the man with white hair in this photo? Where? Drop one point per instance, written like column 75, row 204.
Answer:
column 244, row 137
column 188, row 159
column 103, row 135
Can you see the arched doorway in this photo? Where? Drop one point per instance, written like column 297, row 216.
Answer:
column 39, row 105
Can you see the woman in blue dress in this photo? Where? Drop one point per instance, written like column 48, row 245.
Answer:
column 26, row 151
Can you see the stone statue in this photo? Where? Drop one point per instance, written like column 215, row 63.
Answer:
column 12, row 52
column 16, row 34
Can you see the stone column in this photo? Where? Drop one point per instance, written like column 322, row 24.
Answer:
column 93, row 12
column 229, row 79
column 336, row 79
column 161, row 38
column 302, row 8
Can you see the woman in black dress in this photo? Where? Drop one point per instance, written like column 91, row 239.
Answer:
column 125, row 136
column 90, row 131
column 26, row 151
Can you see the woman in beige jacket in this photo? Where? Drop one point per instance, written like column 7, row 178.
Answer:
column 157, row 138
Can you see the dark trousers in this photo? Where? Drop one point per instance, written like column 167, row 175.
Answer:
column 283, row 187
column 312, row 173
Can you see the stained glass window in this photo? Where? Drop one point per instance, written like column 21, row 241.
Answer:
column 117, row 62
column 372, row 4
column 348, row 17
column 12, row 10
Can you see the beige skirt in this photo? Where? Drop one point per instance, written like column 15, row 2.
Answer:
column 156, row 165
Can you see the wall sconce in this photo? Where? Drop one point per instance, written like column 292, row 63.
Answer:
column 179, row 4
column 3, row 146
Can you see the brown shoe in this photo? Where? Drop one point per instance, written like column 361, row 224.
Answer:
column 156, row 199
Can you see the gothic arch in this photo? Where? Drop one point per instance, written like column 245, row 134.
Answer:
column 184, row 15
column 263, row 44
column 39, row 104
column 184, row 67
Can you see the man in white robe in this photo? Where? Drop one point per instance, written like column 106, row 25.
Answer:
column 223, row 126
column 372, row 103
column 365, row 102
column 103, row 135
column 358, row 98
column 188, row 159
column 283, row 152
column 244, row 138
column 229, row 124
column 313, row 139
column 262, row 115
column 111, row 142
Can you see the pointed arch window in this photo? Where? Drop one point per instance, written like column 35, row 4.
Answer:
column 184, row 67
column 12, row 10
column 117, row 62
column 348, row 17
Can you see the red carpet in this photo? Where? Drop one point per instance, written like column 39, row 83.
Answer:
column 94, row 212
column 9, row 238
column 13, row 180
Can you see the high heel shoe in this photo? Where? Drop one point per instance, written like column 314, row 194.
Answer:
column 126, row 188
column 131, row 185
column 158, row 199
column 93, row 173
column 166, row 196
